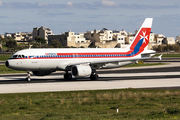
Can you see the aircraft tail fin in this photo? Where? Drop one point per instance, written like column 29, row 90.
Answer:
column 141, row 40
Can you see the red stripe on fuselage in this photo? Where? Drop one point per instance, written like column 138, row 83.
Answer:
column 78, row 55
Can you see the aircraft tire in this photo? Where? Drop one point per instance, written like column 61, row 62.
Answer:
column 67, row 76
column 28, row 79
column 94, row 77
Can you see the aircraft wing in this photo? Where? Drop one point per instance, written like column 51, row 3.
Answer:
column 117, row 62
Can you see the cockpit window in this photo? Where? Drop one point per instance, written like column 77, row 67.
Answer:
column 18, row 56
column 15, row 56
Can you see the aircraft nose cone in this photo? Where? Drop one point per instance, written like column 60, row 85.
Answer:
column 7, row 64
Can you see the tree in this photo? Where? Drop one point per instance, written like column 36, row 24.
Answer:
column 40, row 40
column 2, row 41
column 35, row 44
column 56, row 44
column 22, row 46
column 11, row 44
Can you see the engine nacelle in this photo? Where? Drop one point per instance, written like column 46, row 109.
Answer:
column 81, row 70
column 42, row 73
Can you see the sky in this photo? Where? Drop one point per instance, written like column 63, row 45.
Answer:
column 81, row 15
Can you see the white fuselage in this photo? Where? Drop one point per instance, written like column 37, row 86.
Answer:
column 59, row 59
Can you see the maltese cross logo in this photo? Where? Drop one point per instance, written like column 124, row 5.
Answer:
column 144, row 36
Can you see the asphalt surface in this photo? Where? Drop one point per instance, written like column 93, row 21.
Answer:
column 116, row 71
column 149, row 77
column 2, row 62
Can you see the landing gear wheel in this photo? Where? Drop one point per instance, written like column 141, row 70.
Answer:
column 67, row 76
column 28, row 78
column 94, row 77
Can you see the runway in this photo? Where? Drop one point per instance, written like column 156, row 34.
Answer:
column 162, row 76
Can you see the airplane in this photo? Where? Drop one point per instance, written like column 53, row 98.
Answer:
column 82, row 62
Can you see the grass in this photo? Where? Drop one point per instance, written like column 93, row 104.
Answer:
column 5, row 70
column 4, row 57
column 169, row 55
column 132, row 103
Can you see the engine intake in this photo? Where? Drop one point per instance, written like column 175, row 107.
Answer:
column 81, row 70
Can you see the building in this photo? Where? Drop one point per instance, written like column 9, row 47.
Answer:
column 8, row 35
column 70, row 39
column 169, row 40
column 102, row 38
column 41, row 32
column 129, row 38
column 152, row 38
column 99, row 36
column 120, row 36
column 20, row 37
column 2, row 36
column 92, row 35
column 178, row 39
column 159, row 39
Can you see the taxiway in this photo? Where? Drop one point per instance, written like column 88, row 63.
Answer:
column 161, row 76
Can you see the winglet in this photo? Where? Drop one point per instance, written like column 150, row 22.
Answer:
column 160, row 57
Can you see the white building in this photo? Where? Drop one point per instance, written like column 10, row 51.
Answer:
column 105, row 35
column 120, row 36
column 169, row 40
column 79, row 38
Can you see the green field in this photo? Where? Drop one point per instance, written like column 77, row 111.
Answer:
column 5, row 57
column 5, row 70
column 133, row 104
column 169, row 55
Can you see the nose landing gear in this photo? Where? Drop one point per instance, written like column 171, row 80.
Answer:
column 28, row 78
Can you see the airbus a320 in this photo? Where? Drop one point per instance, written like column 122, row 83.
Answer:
column 82, row 62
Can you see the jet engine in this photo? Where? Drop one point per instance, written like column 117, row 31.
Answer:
column 42, row 73
column 81, row 70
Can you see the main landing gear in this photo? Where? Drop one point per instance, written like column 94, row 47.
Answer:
column 94, row 75
column 67, row 75
column 28, row 78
